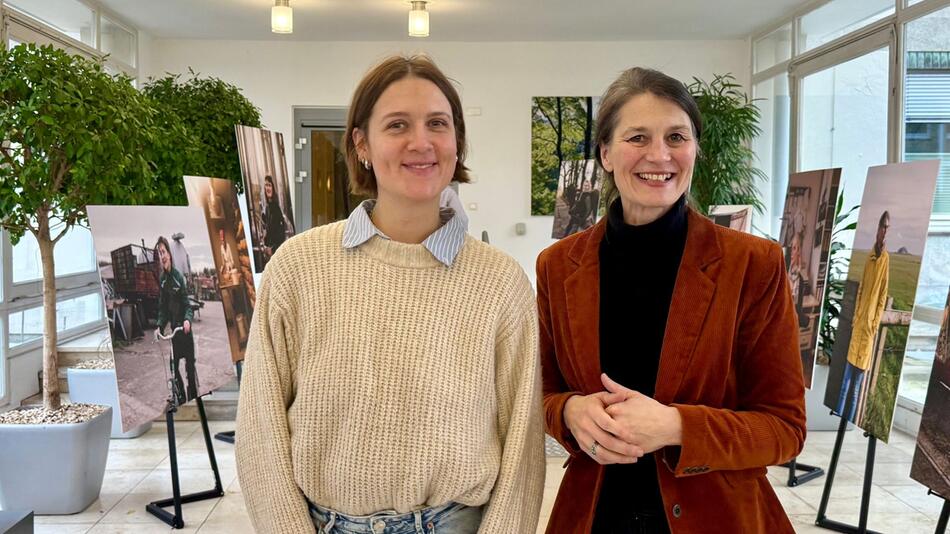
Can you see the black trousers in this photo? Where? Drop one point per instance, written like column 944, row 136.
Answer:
column 183, row 346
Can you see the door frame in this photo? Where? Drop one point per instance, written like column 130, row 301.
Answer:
column 307, row 119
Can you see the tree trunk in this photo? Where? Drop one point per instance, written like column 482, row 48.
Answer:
column 588, row 129
column 559, row 129
column 51, row 400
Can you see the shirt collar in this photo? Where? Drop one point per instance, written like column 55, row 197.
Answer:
column 445, row 243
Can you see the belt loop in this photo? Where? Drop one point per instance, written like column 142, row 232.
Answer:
column 417, row 516
column 330, row 523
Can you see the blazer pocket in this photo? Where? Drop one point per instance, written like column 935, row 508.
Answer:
column 738, row 478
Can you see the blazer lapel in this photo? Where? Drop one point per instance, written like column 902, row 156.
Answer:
column 692, row 295
column 582, row 296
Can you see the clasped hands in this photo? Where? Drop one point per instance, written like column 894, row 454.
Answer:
column 619, row 425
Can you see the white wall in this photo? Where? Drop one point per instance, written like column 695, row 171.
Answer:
column 144, row 43
column 499, row 78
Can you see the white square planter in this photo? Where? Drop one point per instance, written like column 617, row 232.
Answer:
column 53, row 469
column 98, row 386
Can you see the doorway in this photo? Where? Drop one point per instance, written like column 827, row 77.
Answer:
column 322, row 185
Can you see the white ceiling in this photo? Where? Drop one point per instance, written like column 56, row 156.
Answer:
column 459, row 20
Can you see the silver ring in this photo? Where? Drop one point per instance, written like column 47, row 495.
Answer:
column 593, row 448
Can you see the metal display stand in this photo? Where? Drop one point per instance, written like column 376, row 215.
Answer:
column 822, row 519
column 157, row 508
column 810, row 472
column 944, row 514
column 228, row 435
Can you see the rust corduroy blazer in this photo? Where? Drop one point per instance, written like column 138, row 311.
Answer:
column 730, row 364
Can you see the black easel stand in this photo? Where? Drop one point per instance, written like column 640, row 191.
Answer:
column 810, row 472
column 228, row 435
column 944, row 514
column 156, row 508
column 822, row 521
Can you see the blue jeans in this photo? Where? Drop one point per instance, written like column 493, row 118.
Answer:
column 451, row 518
column 854, row 378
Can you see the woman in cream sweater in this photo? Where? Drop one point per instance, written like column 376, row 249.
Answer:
column 391, row 382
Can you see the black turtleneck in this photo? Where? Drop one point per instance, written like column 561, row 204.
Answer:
column 638, row 267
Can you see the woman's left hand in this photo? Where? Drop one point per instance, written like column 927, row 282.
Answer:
column 186, row 326
column 647, row 423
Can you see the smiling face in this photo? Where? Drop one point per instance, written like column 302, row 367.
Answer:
column 651, row 155
column 410, row 142
column 164, row 257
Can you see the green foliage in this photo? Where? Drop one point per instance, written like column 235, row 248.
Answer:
column 837, row 273
column 725, row 173
column 76, row 135
column 561, row 130
column 209, row 108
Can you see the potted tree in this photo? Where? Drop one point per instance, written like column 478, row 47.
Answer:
column 210, row 108
column 725, row 172
column 71, row 135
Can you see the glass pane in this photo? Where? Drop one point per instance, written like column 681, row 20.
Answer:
column 774, row 48
column 927, row 97
column 844, row 121
column 73, row 254
column 771, row 148
column 27, row 325
column 69, row 17
column 838, row 18
column 924, row 329
column 117, row 41
column 3, row 363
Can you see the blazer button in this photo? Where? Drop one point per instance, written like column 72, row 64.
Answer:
column 677, row 511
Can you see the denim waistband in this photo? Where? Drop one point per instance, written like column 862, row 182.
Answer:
column 389, row 521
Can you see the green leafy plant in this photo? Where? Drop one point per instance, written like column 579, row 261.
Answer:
column 74, row 135
column 837, row 274
column 209, row 108
column 725, row 173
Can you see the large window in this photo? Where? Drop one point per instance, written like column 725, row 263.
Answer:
column 72, row 255
column 79, row 26
column 771, row 147
column 27, row 325
column 927, row 136
column 838, row 18
column 67, row 17
column 846, row 111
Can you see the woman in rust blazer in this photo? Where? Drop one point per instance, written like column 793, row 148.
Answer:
column 669, row 345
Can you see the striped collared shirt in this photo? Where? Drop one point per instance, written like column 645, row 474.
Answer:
column 445, row 243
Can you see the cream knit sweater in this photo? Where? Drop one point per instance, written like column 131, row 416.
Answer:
column 377, row 378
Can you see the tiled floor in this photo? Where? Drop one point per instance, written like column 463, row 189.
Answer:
column 137, row 473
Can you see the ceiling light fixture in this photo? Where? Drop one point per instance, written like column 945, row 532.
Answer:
column 418, row 19
column 282, row 17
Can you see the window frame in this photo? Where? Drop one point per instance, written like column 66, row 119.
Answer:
column 835, row 52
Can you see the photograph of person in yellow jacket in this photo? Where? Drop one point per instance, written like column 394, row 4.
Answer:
column 868, row 309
